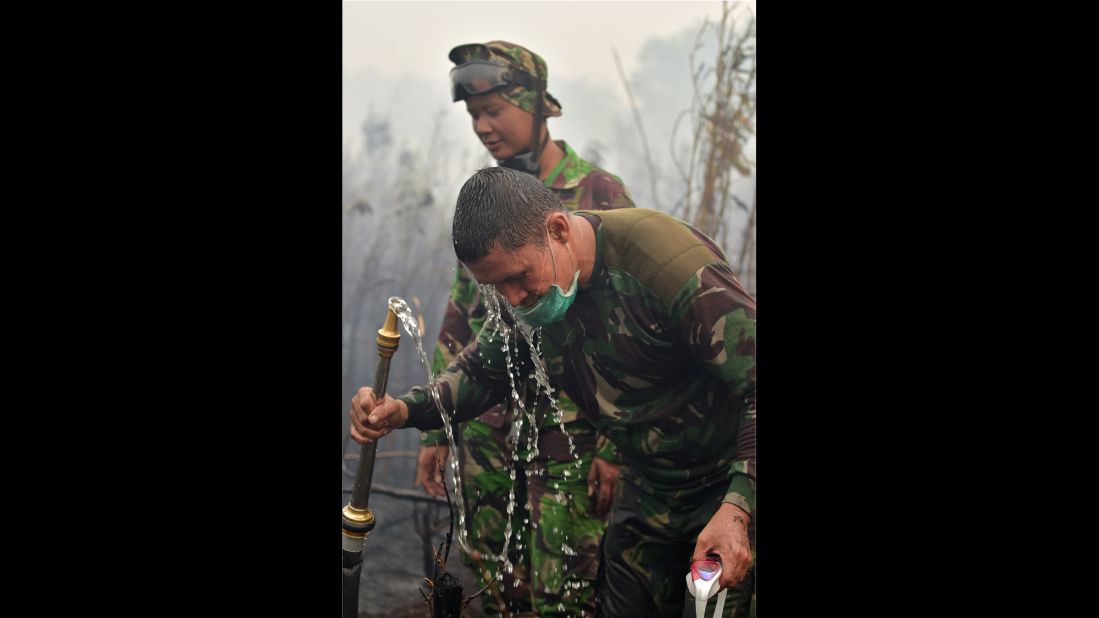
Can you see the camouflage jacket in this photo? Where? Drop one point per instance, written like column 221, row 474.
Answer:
column 580, row 186
column 659, row 350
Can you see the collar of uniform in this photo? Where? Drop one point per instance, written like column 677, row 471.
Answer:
column 597, row 225
column 557, row 179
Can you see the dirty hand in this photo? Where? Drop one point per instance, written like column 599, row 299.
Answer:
column 427, row 471
column 601, row 481
column 371, row 419
column 727, row 536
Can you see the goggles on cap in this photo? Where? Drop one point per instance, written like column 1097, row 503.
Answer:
column 480, row 77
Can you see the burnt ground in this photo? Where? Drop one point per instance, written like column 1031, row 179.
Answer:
column 394, row 554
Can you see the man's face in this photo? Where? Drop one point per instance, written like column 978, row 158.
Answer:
column 503, row 128
column 525, row 275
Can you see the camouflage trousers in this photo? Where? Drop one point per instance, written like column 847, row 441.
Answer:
column 555, row 557
column 647, row 551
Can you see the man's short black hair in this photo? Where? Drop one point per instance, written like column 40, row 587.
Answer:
column 499, row 207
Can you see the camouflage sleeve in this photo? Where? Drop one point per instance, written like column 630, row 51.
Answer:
column 608, row 192
column 473, row 383
column 742, row 486
column 605, row 449
column 460, row 322
column 717, row 318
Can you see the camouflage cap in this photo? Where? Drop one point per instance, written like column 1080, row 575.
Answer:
column 515, row 55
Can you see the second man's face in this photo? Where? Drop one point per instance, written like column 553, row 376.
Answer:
column 524, row 276
column 503, row 128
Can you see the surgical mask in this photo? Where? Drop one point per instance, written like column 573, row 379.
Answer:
column 551, row 307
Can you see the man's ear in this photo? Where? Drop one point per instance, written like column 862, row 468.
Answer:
column 558, row 224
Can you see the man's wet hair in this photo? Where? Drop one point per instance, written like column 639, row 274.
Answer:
column 502, row 208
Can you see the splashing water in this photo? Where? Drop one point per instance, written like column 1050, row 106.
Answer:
column 495, row 305
column 500, row 328
column 404, row 314
column 495, row 326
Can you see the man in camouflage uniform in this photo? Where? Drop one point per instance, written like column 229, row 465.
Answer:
column 506, row 118
column 657, row 345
